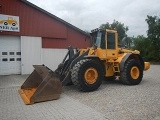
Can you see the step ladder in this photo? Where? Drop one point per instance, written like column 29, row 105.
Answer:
column 116, row 68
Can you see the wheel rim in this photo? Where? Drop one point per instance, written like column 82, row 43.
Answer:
column 91, row 75
column 135, row 72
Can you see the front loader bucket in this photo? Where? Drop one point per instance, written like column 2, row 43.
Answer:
column 41, row 85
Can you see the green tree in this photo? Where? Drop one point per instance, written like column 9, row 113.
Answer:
column 129, row 42
column 153, row 34
column 120, row 27
column 143, row 44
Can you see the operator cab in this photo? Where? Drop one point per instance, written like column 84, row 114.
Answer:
column 106, row 40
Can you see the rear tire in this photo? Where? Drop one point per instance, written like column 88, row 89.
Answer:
column 132, row 73
column 87, row 75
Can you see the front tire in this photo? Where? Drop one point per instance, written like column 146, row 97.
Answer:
column 87, row 75
column 132, row 73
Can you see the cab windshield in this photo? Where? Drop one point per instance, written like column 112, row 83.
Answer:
column 98, row 39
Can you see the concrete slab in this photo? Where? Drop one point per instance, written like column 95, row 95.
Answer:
column 65, row 108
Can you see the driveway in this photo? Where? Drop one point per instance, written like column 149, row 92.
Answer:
column 112, row 101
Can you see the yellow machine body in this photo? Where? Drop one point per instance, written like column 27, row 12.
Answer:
column 112, row 58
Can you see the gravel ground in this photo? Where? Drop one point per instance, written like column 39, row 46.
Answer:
column 122, row 102
column 112, row 101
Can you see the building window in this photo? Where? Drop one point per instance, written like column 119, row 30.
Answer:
column 4, row 59
column 18, row 59
column 4, row 53
column 11, row 53
column 18, row 53
column 11, row 59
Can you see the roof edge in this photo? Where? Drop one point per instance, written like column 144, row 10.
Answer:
column 55, row 17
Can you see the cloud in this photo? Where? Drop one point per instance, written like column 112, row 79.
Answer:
column 90, row 14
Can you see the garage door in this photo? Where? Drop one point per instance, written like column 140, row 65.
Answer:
column 10, row 55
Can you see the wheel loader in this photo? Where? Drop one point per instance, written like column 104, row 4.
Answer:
column 86, row 68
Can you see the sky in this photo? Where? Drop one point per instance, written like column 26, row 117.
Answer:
column 90, row 14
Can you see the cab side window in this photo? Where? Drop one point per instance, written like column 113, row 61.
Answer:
column 111, row 41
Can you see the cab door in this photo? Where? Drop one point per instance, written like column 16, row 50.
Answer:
column 111, row 44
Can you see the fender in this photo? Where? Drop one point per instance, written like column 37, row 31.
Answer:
column 131, row 56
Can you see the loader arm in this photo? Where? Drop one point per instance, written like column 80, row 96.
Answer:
column 77, row 57
column 64, row 69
